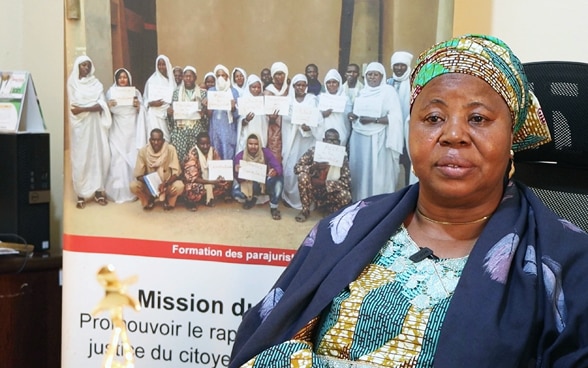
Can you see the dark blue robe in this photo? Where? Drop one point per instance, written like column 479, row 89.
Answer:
column 521, row 300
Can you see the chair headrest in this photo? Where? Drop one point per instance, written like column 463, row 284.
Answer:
column 562, row 90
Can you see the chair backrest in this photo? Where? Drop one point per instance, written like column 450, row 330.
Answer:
column 558, row 171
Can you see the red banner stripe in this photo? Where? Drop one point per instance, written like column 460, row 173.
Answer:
column 178, row 250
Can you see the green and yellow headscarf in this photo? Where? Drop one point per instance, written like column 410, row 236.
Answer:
column 490, row 59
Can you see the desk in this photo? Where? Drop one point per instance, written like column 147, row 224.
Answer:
column 30, row 311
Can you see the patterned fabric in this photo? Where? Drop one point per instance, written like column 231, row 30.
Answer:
column 183, row 133
column 195, row 192
column 520, row 301
column 331, row 196
column 492, row 60
column 380, row 318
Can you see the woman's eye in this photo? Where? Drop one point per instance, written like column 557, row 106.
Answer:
column 477, row 119
column 434, row 119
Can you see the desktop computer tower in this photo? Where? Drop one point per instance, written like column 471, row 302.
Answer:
column 25, row 189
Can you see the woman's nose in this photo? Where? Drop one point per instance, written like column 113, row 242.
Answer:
column 454, row 132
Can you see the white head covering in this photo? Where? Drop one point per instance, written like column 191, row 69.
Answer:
column 170, row 78
column 297, row 78
column 159, row 79
column 334, row 74
column 251, row 80
column 241, row 89
column 377, row 67
column 87, row 90
column 220, row 85
column 401, row 57
column 209, row 74
column 191, row 68
column 276, row 67
column 128, row 75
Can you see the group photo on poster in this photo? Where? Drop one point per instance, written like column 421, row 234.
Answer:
column 203, row 144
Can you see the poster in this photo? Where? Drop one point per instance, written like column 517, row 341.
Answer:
column 224, row 257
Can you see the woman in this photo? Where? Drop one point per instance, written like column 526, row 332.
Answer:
column 249, row 122
column 209, row 81
column 279, row 87
column 297, row 138
column 183, row 132
column 497, row 282
column 377, row 137
column 158, row 94
column 127, row 121
column 223, row 123
column 337, row 120
column 89, row 121
column 238, row 78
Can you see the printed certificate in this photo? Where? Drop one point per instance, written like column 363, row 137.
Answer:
column 366, row 106
column 252, row 104
column 331, row 153
column 124, row 96
column 217, row 168
column 328, row 101
column 252, row 171
column 219, row 100
column 303, row 114
column 277, row 103
column 186, row 110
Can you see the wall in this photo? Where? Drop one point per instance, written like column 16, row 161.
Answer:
column 32, row 40
column 536, row 30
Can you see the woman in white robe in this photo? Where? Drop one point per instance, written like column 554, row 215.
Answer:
column 89, row 120
column 336, row 119
column 249, row 122
column 377, row 136
column 159, row 89
column 298, row 138
column 124, row 137
column 239, row 80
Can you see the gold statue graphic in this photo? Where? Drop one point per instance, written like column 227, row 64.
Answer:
column 114, row 300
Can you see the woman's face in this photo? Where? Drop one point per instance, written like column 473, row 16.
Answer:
column 84, row 68
column 209, row 82
column 239, row 78
column 373, row 78
column 189, row 79
column 162, row 67
column 123, row 79
column 255, row 88
column 332, row 86
column 279, row 78
column 460, row 138
column 300, row 88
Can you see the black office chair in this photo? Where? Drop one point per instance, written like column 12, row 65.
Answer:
column 558, row 171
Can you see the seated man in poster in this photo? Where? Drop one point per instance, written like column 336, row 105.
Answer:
column 328, row 186
column 157, row 171
column 199, row 186
column 271, row 181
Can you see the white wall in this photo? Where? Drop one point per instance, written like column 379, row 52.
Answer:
column 32, row 39
column 536, row 30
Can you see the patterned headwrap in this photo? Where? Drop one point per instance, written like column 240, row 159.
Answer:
column 490, row 59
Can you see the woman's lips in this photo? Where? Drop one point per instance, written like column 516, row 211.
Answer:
column 454, row 167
